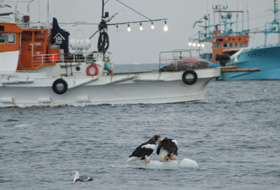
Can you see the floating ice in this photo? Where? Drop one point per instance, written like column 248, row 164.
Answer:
column 172, row 164
column 21, row 125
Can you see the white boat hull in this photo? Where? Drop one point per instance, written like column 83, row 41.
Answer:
column 31, row 89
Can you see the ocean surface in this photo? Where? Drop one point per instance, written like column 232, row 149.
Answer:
column 233, row 135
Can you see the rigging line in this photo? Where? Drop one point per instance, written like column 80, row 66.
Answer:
column 254, row 18
column 140, row 21
column 113, row 16
column 106, row 2
column 133, row 9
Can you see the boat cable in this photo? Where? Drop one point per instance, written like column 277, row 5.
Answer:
column 133, row 10
column 103, row 42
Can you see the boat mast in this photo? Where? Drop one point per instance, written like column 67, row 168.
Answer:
column 102, row 8
column 103, row 40
column 275, row 11
column 48, row 18
column 273, row 27
column 276, row 18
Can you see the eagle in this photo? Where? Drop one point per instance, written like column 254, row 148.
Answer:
column 143, row 151
column 167, row 148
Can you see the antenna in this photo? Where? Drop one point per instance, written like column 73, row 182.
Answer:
column 270, row 27
column 48, row 18
column 48, row 11
column 28, row 5
column 247, row 14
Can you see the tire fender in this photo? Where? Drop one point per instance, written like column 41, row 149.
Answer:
column 60, row 86
column 189, row 81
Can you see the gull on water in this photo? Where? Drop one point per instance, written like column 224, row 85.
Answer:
column 78, row 178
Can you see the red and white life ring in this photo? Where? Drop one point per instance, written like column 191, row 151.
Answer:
column 92, row 71
column 54, row 58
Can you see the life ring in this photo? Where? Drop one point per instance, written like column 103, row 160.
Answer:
column 89, row 73
column 54, row 58
column 189, row 81
column 60, row 86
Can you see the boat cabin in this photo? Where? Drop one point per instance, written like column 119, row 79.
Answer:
column 227, row 44
column 33, row 44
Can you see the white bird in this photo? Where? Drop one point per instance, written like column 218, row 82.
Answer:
column 2, row 5
column 77, row 177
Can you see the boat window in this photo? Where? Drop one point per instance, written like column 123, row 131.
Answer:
column 2, row 38
column 225, row 45
column 235, row 44
column 241, row 45
column 230, row 45
column 245, row 44
column 11, row 38
column 217, row 45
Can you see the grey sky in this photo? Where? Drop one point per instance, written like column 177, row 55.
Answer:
column 144, row 46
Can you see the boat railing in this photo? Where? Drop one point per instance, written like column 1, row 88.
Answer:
column 260, row 47
column 166, row 57
column 21, row 23
column 32, row 25
column 5, row 20
column 52, row 59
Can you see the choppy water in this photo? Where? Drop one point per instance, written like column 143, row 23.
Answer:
column 233, row 134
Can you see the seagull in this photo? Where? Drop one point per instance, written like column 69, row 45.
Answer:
column 167, row 148
column 143, row 151
column 200, row 20
column 2, row 5
column 77, row 177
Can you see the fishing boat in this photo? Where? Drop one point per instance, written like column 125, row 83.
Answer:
column 265, row 57
column 225, row 41
column 37, row 68
column 231, row 50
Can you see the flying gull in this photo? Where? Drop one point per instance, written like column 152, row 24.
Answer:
column 2, row 5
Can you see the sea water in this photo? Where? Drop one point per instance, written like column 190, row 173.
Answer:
column 233, row 135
